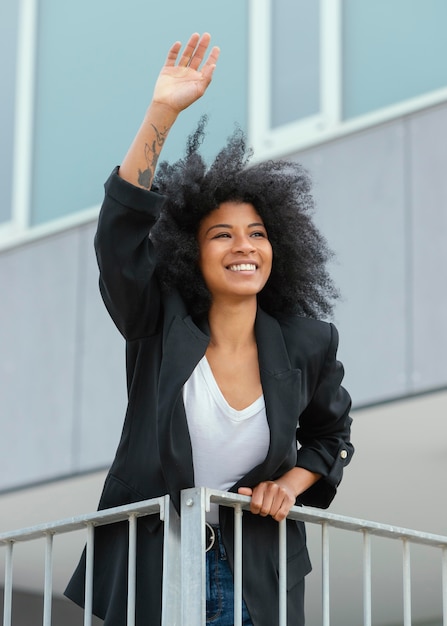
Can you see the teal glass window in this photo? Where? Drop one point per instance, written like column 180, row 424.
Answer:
column 96, row 66
column 8, row 70
column 295, row 79
column 393, row 50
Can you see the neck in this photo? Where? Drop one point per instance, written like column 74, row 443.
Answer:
column 232, row 326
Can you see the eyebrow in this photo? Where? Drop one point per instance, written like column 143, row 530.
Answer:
column 254, row 225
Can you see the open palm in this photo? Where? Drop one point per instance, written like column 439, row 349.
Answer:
column 181, row 83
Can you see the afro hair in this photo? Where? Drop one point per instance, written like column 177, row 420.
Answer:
column 279, row 191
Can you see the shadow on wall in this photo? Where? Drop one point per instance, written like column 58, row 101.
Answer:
column 27, row 610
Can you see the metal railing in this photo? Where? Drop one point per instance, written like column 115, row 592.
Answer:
column 184, row 556
column 171, row 550
column 196, row 501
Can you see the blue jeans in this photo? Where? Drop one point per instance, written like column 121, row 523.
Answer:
column 219, row 588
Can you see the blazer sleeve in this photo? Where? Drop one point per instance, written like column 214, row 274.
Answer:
column 324, row 431
column 126, row 256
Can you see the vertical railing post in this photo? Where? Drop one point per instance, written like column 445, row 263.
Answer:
column 282, row 573
column 406, row 582
column 366, row 578
column 88, row 605
column 325, row 573
column 171, row 599
column 444, row 587
column 132, row 570
column 48, row 589
column 193, row 556
column 237, row 565
column 7, row 593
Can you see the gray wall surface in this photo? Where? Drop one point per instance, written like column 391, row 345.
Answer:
column 28, row 611
column 62, row 372
column 381, row 197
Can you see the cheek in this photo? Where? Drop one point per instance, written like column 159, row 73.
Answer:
column 269, row 255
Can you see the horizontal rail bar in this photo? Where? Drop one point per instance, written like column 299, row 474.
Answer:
column 98, row 518
column 319, row 516
column 225, row 498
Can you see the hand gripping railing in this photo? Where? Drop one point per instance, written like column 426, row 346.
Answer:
column 184, row 560
column 196, row 501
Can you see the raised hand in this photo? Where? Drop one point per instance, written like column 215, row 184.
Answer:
column 181, row 80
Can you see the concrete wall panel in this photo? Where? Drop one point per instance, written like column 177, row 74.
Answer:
column 38, row 284
column 428, row 193
column 359, row 191
column 101, row 362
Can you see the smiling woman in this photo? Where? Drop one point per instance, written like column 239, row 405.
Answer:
column 235, row 255
column 215, row 277
column 280, row 194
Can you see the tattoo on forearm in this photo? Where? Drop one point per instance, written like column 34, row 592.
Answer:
column 151, row 154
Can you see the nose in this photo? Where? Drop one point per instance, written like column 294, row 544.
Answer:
column 243, row 245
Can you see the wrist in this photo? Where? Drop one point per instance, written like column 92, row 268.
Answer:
column 300, row 479
column 161, row 113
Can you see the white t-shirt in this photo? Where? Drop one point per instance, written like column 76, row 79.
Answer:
column 226, row 443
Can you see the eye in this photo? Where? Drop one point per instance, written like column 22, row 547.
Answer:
column 222, row 236
column 259, row 233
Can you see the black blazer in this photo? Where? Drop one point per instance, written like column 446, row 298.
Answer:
column 305, row 402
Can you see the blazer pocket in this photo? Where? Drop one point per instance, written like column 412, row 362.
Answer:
column 118, row 493
column 298, row 566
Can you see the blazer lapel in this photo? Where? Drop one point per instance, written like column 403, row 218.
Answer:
column 184, row 346
column 281, row 386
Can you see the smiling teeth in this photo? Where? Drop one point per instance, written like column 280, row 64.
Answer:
column 242, row 267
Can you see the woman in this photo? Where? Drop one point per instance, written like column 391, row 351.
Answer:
column 227, row 366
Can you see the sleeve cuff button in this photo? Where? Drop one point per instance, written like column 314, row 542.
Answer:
column 343, row 454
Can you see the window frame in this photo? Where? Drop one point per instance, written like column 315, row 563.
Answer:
column 18, row 229
column 328, row 125
column 22, row 149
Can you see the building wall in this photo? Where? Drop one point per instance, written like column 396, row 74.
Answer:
column 381, row 198
column 28, row 610
column 381, row 201
column 62, row 362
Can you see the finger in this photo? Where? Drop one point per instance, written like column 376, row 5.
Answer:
column 173, row 53
column 199, row 53
column 189, row 50
column 283, row 511
column 273, row 500
column 245, row 491
column 270, row 501
column 280, row 506
column 284, row 501
column 210, row 64
column 261, row 500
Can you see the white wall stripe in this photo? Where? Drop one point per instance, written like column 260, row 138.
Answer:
column 24, row 120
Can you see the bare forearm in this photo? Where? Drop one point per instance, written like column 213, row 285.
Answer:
column 180, row 83
column 140, row 162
